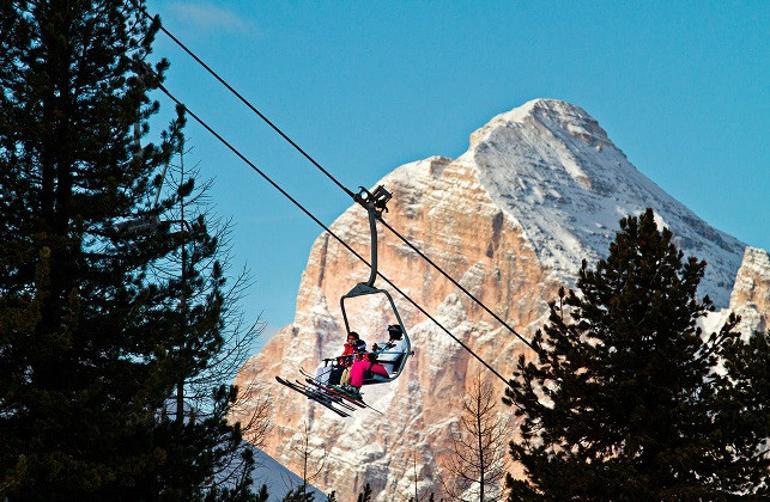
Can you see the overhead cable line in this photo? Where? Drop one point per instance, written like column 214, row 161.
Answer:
column 245, row 101
column 339, row 184
column 294, row 201
column 457, row 284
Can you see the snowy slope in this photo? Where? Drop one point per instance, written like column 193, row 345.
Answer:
column 279, row 479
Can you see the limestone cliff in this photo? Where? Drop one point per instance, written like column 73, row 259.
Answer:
column 540, row 188
column 751, row 294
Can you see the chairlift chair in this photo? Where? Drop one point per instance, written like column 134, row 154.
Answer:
column 150, row 222
column 374, row 203
column 339, row 399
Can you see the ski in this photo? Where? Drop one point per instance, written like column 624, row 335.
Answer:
column 320, row 395
column 332, row 390
column 311, row 395
column 359, row 402
column 337, row 392
column 337, row 399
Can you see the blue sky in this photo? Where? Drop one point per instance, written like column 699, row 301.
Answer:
column 683, row 88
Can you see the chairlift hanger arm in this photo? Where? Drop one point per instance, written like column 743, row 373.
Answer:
column 375, row 204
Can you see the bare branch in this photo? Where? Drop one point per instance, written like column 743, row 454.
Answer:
column 475, row 467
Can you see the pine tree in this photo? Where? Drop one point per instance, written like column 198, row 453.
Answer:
column 624, row 399
column 743, row 421
column 196, row 271
column 262, row 495
column 92, row 342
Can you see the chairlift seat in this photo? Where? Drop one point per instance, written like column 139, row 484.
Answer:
column 375, row 204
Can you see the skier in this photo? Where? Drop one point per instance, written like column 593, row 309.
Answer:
column 353, row 346
column 360, row 368
column 394, row 349
column 327, row 374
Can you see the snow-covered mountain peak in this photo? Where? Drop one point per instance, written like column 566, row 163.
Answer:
column 553, row 169
column 540, row 188
column 552, row 115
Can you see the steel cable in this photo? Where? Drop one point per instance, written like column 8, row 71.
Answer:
column 328, row 174
column 307, row 212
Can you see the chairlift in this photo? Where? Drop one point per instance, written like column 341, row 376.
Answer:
column 340, row 399
column 375, row 204
column 150, row 222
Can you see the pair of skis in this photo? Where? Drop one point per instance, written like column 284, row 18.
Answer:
column 318, row 396
column 336, row 391
column 326, row 395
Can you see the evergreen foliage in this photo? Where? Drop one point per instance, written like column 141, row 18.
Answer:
column 93, row 341
column 625, row 399
column 262, row 495
column 299, row 494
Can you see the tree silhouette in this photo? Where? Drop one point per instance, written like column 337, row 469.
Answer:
column 627, row 399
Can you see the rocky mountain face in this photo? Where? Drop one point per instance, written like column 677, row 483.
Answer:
column 540, row 188
column 750, row 298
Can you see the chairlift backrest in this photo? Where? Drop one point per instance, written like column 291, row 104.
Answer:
column 399, row 363
column 363, row 289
